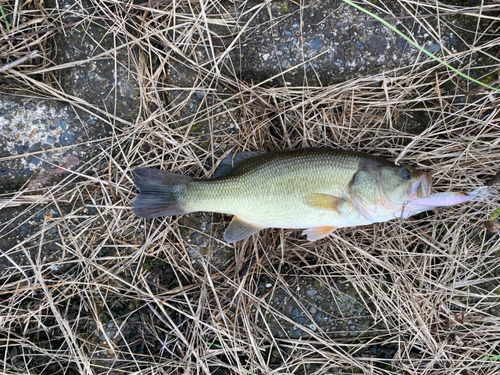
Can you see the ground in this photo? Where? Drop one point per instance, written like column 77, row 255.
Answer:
column 86, row 287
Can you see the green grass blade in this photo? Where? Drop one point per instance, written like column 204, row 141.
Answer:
column 7, row 26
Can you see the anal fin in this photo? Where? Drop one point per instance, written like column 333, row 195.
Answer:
column 239, row 229
column 317, row 233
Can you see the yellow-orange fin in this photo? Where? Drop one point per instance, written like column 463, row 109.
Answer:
column 324, row 201
column 317, row 233
column 239, row 229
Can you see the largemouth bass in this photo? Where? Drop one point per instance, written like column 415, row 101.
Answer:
column 316, row 189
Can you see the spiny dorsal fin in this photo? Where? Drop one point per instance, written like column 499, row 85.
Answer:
column 239, row 229
column 232, row 161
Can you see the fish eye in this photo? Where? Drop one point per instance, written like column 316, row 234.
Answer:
column 404, row 173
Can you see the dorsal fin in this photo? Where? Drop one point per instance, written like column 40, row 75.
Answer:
column 232, row 161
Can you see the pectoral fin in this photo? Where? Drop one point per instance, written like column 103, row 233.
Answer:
column 239, row 229
column 324, row 201
column 316, row 233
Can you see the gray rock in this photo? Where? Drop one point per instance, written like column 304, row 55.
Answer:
column 201, row 234
column 66, row 139
column 37, row 135
column 328, row 41
column 41, row 139
column 27, row 144
column 337, row 310
column 102, row 81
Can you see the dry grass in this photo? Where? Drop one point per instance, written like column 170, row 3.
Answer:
column 432, row 280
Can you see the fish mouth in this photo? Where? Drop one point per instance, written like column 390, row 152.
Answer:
column 421, row 187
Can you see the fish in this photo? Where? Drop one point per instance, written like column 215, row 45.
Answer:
column 315, row 189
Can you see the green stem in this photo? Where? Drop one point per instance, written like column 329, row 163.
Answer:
column 7, row 26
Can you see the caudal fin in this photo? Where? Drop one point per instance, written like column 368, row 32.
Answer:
column 159, row 192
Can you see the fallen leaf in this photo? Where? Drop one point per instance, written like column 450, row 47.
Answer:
column 492, row 226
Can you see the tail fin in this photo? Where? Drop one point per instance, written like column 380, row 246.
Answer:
column 159, row 192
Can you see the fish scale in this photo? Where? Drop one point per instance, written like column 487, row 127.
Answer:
column 270, row 191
